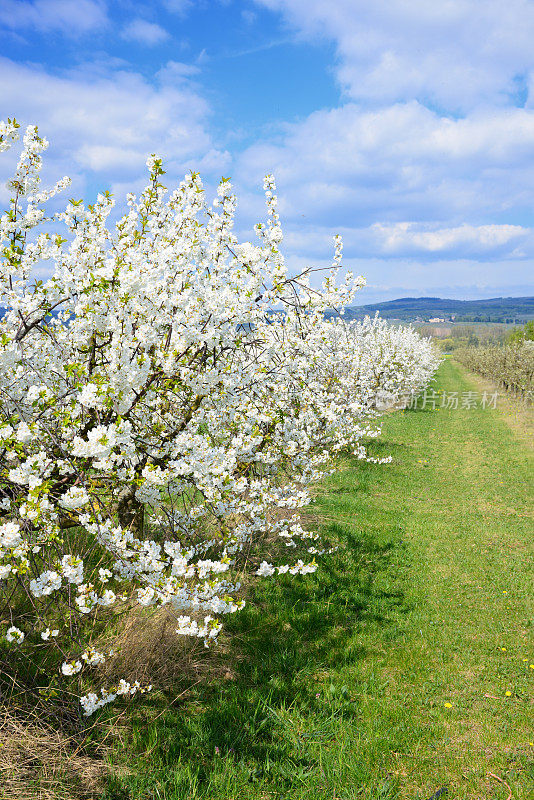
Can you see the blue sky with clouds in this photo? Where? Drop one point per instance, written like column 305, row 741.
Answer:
column 405, row 125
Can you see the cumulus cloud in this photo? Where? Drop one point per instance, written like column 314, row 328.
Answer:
column 443, row 190
column 69, row 17
column 406, row 237
column 355, row 167
column 427, row 242
column 143, row 32
column 103, row 124
column 456, row 54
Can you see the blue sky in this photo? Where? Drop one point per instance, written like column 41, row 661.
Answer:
column 405, row 125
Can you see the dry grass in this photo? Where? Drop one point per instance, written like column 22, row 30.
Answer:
column 149, row 650
column 39, row 763
column 518, row 414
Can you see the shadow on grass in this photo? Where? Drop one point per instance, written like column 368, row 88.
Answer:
column 279, row 651
column 423, row 410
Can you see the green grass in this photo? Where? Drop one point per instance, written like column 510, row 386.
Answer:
column 339, row 680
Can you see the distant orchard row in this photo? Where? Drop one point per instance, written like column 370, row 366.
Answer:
column 510, row 367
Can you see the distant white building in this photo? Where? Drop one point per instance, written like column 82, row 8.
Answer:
column 436, row 319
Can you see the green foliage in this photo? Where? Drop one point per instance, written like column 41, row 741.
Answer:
column 447, row 345
column 524, row 334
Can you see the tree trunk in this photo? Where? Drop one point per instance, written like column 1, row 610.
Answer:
column 130, row 511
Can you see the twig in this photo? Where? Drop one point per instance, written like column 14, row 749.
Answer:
column 492, row 775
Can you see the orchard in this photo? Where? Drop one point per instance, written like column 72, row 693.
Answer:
column 167, row 397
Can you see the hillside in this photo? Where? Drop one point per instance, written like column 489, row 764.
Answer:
column 423, row 309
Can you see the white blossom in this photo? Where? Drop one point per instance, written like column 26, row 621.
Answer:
column 75, row 497
column 265, row 569
column 71, row 667
column 14, row 634
column 45, row 635
column 46, row 583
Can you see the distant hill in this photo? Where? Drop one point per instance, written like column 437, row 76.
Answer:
column 423, row 309
column 517, row 310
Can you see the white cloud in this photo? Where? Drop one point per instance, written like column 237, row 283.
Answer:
column 103, row 125
column 437, row 127
column 179, row 6
column 428, row 242
column 459, row 182
column 353, row 167
column 175, row 72
column 457, row 54
column 70, row 17
column 143, row 32
column 248, row 16
column 406, row 237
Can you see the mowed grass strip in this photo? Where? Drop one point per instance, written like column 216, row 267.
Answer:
column 405, row 664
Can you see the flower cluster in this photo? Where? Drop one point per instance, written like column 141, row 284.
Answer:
column 166, row 398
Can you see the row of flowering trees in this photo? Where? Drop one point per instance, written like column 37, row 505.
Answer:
column 166, row 398
column 510, row 366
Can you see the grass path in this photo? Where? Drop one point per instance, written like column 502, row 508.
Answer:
column 405, row 664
